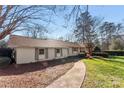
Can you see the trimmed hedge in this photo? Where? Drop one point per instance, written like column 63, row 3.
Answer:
column 102, row 54
column 115, row 53
column 82, row 55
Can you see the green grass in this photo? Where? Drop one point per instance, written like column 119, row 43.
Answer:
column 108, row 72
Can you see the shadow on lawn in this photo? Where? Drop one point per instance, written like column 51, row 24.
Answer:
column 115, row 57
column 14, row 69
column 111, row 60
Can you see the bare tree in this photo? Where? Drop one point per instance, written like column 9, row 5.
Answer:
column 107, row 31
column 85, row 32
column 70, row 37
column 13, row 17
column 117, row 44
column 60, row 38
column 35, row 31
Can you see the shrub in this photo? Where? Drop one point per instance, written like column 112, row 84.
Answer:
column 115, row 53
column 97, row 49
column 4, row 61
column 102, row 54
column 82, row 55
column 6, row 52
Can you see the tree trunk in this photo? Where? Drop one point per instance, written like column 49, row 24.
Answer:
column 89, row 51
column 89, row 54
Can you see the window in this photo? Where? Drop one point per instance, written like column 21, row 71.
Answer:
column 81, row 49
column 41, row 51
column 68, row 51
column 75, row 49
column 57, row 50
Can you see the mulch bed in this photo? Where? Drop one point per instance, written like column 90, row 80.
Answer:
column 34, row 74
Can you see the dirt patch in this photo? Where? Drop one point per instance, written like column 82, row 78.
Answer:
column 34, row 75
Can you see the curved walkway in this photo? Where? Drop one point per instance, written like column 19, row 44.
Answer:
column 72, row 79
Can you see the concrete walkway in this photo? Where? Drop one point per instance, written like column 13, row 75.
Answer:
column 72, row 79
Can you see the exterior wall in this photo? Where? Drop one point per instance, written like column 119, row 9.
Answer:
column 78, row 50
column 58, row 54
column 65, row 52
column 70, row 52
column 28, row 55
column 41, row 57
column 75, row 52
column 25, row 55
column 82, row 50
column 51, row 53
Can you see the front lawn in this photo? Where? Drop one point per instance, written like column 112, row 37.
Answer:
column 106, row 72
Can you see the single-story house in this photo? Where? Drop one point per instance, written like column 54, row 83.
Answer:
column 29, row 50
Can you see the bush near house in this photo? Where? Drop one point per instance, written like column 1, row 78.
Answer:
column 6, row 52
column 97, row 49
column 6, row 56
column 4, row 61
column 102, row 54
column 82, row 55
column 115, row 53
column 105, row 54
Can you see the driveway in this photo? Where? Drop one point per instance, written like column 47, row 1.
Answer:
column 72, row 79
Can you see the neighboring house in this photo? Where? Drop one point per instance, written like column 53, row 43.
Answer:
column 29, row 50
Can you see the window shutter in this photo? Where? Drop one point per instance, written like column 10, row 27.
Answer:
column 46, row 53
column 36, row 54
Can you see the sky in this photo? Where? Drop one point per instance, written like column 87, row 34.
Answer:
column 111, row 13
